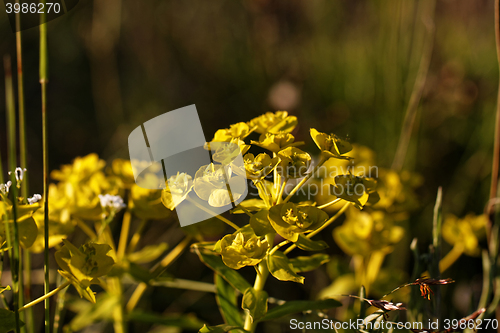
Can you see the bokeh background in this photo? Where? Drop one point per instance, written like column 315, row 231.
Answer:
column 346, row 67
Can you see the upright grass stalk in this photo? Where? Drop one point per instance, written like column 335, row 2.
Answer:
column 11, row 126
column 494, row 226
column 43, row 83
column 418, row 88
column 24, row 164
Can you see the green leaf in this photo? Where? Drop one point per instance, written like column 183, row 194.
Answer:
column 220, row 329
column 260, row 223
column 88, row 313
column 307, row 244
column 230, row 275
column 139, row 273
column 182, row 321
column 7, row 321
column 227, row 301
column 300, row 306
column 28, row 231
column 148, row 253
column 280, row 267
column 306, row 264
column 255, row 303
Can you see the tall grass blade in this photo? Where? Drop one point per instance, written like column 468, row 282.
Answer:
column 11, row 129
column 43, row 82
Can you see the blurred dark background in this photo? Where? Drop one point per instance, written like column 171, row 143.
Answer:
column 346, row 67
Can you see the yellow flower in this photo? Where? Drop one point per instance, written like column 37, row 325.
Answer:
column 178, row 188
column 81, row 169
column 83, row 266
column 227, row 152
column 465, row 232
column 289, row 220
column 260, row 166
column 212, row 181
column 84, row 196
column 123, row 170
column 365, row 232
column 331, row 145
column 61, row 224
column 147, row 204
column 357, row 190
column 276, row 141
column 294, row 162
column 274, row 122
column 243, row 248
column 238, row 131
column 26, row 224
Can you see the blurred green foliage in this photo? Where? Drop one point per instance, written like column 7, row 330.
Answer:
column 346, row 67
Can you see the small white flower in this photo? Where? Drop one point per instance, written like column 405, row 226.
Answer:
column 34, row 199
column 114, row 202
column 4, row 188
column 20, row 174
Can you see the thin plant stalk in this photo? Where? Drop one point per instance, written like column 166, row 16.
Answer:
column 260, row 281
column 418, row 88
column 43, row 83
column 136, row 236
column 305, row 179
column 157, row 271
column 496, row 148
column 46, row 296
column 60, row 302
column 11, row 121
column 122, row 244
column 26, row 277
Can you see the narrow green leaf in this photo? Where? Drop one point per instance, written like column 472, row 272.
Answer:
column 148, row 253
column 220, row 329
column 7, row 321
column 182, row 321
column 255, row 303
column 88, row 313
column 227, row 301
column 280, row 267
column 307, row 244
column 300, row 306
column 230, row 275
column 306, row 264
column 260, row 223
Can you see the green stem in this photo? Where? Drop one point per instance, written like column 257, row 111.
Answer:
column 122, row 243
column 46, row 296
column 328, row 204
column 136, row 236
column 61, row 300
column 260, row 281
column 11, row 121
column 85, row 228
column 305, row 179
column 280, row 193
column 157, row 270
column 43, row 82
column 223, row 219
column 20, row 98
column 260, row 185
